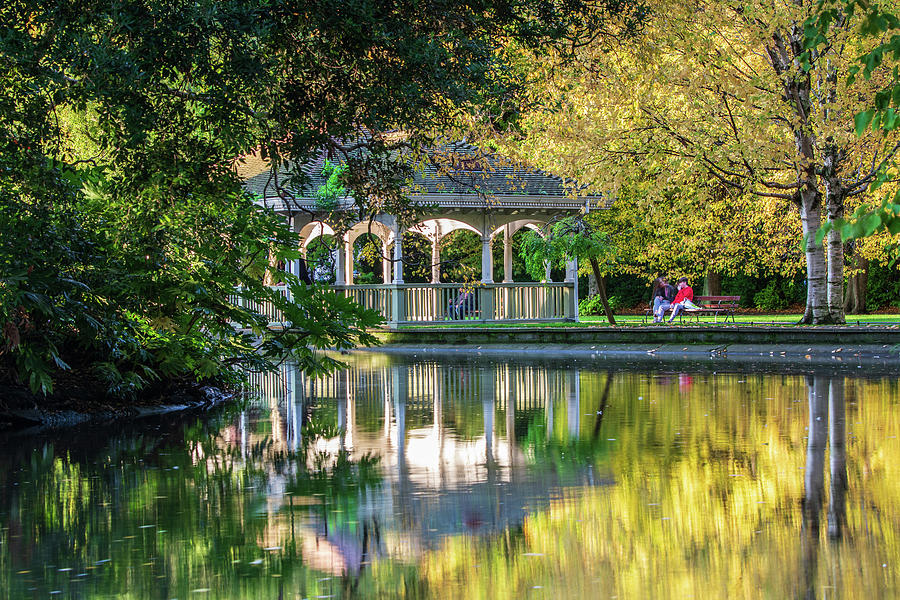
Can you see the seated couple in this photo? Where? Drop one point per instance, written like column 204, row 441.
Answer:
column 666, row 297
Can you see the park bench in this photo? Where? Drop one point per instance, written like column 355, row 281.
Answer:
column 708, row 305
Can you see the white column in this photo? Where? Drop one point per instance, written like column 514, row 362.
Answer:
column 436, row 255
column 571, row 270
column 487, row 262
column 507, row 255
column 398, row 253
column 350, row 428
column 400, row 382
column 293, row 266
column 547, row 272
column 385, row 263
column 340, row 263
column 348, row 254
column 511, row 397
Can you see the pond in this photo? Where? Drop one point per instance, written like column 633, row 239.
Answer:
column 474, row 477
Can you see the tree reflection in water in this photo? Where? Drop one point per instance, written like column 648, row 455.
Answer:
column 827, row 429
column 486, row 479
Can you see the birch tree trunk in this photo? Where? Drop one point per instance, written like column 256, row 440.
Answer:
column 816, row 272
column 834, row 205
column 835, row 194
column 835, row 285
column 784, row 54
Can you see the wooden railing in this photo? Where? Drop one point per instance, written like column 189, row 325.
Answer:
column 266, row 308
column 424, row 303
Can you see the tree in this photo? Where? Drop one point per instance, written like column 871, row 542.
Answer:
column 718, row 98
column 571, row 238
column 125, row 227
column 879, row 112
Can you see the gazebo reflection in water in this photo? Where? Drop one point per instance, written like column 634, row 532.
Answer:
column 450, row 443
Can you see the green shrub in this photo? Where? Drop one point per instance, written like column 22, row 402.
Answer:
column 779, row 294
column 592, row 305
column 770, row 297
column 882, row 286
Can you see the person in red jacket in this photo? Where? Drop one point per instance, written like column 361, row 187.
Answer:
column 684, row 297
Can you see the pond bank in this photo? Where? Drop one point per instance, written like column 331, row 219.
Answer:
column 22, row 412
column 844, row 348
column 836, row 336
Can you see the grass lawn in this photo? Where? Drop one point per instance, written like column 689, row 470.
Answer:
column 638, row 320
column 755, row 319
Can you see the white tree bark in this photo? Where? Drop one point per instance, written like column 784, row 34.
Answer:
column 816, row 272
column 835, row 285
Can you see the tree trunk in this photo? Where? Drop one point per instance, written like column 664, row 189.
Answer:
column 784, row 53
column 837, row 452
column 835, row 193
column 816, row 271
column 269, row 277
column 835, row 295
column 855, row 297
column 593, row 288
column 713, row 284
column 601, row 288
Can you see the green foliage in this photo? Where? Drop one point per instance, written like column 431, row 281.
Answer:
column 320, row 260
column 416, row 258
column 562, row 240
column 590, row 306
column 766, row 293
column 866, row 221
column 770, row 298
column 881, row 113
column 332, row 191
column 593, row 306
column 461, row 256
column 882, row 286
column 628, row 290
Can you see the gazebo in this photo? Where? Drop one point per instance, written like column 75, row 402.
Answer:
column 464, row 189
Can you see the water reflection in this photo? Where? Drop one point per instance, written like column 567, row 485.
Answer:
column 445, row 440
column 492, row 479
column 827, row 427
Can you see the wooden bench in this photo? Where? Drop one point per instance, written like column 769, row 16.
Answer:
column 709, row 305
column 713, row 305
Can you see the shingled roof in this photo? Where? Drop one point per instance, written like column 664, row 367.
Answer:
column 457, row 173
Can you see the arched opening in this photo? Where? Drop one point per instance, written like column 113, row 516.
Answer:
column 416, row 257
column 321, row 255
column 367, row 259
column 461, row 256
column 519, row 270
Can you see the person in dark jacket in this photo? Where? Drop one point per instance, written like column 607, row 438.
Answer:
column 662, row 297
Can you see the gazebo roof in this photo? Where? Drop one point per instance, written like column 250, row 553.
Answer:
column 456, row 175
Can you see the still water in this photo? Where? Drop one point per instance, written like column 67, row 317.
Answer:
column 477, row 479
